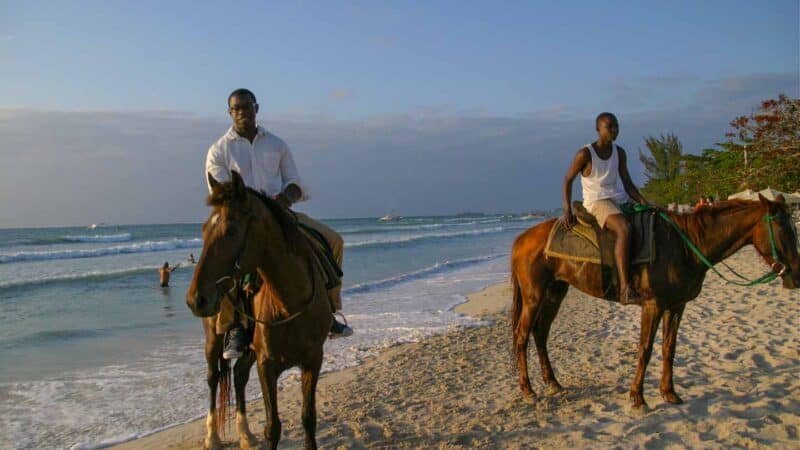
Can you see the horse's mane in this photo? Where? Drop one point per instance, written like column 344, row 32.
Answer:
column 703, row 220
column 224, row 194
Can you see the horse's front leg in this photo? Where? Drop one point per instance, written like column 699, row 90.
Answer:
column 651, row 314
column 310, row 378
column 241, row 373
column 213, row 352
column 672, row 320
column 268, row 375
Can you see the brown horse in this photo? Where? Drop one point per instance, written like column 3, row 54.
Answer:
column 676, row 277
column 250, row 233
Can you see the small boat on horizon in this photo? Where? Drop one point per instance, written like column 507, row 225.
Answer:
column 388, row 218
column 94, row 226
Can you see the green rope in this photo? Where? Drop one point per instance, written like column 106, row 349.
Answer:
column 764, row 279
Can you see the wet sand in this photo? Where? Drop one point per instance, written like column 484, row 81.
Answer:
column 736, row 368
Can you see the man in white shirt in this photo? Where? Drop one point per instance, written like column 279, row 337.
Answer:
column 265, row 163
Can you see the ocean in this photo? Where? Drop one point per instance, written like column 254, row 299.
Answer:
column 93, row 351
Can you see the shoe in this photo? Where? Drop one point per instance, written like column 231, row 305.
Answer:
column 630, row 297
column 234, row 343
column 339, row 329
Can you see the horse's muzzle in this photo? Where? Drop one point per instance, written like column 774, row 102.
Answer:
column 202, row 306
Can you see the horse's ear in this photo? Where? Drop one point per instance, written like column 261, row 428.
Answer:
column 779, row 199
column 212, row 181
column 239, row 189
column 763, row 200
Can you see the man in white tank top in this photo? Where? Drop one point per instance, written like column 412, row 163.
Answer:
column 606, row 184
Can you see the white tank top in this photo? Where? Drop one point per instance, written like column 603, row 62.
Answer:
column 604, row 181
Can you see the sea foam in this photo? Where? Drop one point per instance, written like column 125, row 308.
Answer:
column 142, row 247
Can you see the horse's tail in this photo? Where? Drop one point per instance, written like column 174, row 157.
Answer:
column 224, row 396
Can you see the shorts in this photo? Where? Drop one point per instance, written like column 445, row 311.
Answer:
column 602, row 209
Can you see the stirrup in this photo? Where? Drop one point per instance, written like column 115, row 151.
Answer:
column 345, row 331
column 625, row 297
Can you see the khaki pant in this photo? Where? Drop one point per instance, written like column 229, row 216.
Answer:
column 226, row 315
column 601, row 209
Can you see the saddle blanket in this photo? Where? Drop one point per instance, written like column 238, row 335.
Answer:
column 581, row 243
column 323, row 256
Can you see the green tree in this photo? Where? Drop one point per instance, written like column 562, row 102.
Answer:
column 715, row 172
column 665, row 160
column 663, row 168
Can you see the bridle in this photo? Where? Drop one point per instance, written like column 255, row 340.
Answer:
column 777, row 268
column 236, row 290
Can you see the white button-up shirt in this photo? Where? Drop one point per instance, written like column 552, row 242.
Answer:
column 265, row 165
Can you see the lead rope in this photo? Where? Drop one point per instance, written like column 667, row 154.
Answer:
column 764, row 279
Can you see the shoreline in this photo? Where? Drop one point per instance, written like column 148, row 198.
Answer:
column 736, row 363
column 191, row 432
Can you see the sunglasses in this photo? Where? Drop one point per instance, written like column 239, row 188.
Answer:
column 247, row 107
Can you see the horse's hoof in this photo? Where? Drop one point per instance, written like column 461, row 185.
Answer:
column 554, row 388
column 638, row 405
column 212, row 444
column 248, row 442
column 671, row 397
column 527, row 393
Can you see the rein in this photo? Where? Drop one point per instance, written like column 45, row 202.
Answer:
column 777, row 268
column 238, row 307
column 236, row 290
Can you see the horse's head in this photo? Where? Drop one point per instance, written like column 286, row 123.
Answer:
column 226, row 254
column 775, row 238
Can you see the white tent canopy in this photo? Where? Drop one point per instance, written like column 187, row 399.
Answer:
column 768, row 193
column 747, row 194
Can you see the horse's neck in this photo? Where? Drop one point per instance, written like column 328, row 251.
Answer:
column 719, row 234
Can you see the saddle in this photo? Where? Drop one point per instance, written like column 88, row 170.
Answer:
column 323, row 256
column 586, row 242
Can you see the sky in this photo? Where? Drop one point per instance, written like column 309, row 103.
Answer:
column 107, row 109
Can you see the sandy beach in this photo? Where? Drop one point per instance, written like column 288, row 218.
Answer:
column 737, row 365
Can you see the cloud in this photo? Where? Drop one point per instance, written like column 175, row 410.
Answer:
column 673, row 91
column 669, row 80
column 147, row 166
column 6, row 37
column 627, row 93
column 341, row 94
column 747, row 91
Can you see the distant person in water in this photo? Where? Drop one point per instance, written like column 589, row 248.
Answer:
column 164, row 272
column 190, row 258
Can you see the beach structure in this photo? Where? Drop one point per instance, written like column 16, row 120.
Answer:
column 768, row 193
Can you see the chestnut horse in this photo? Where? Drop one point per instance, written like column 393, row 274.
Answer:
column 248, row 232
column 676, row 277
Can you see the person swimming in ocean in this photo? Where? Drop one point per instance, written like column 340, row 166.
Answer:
column 164, row 273
column 190, row 259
